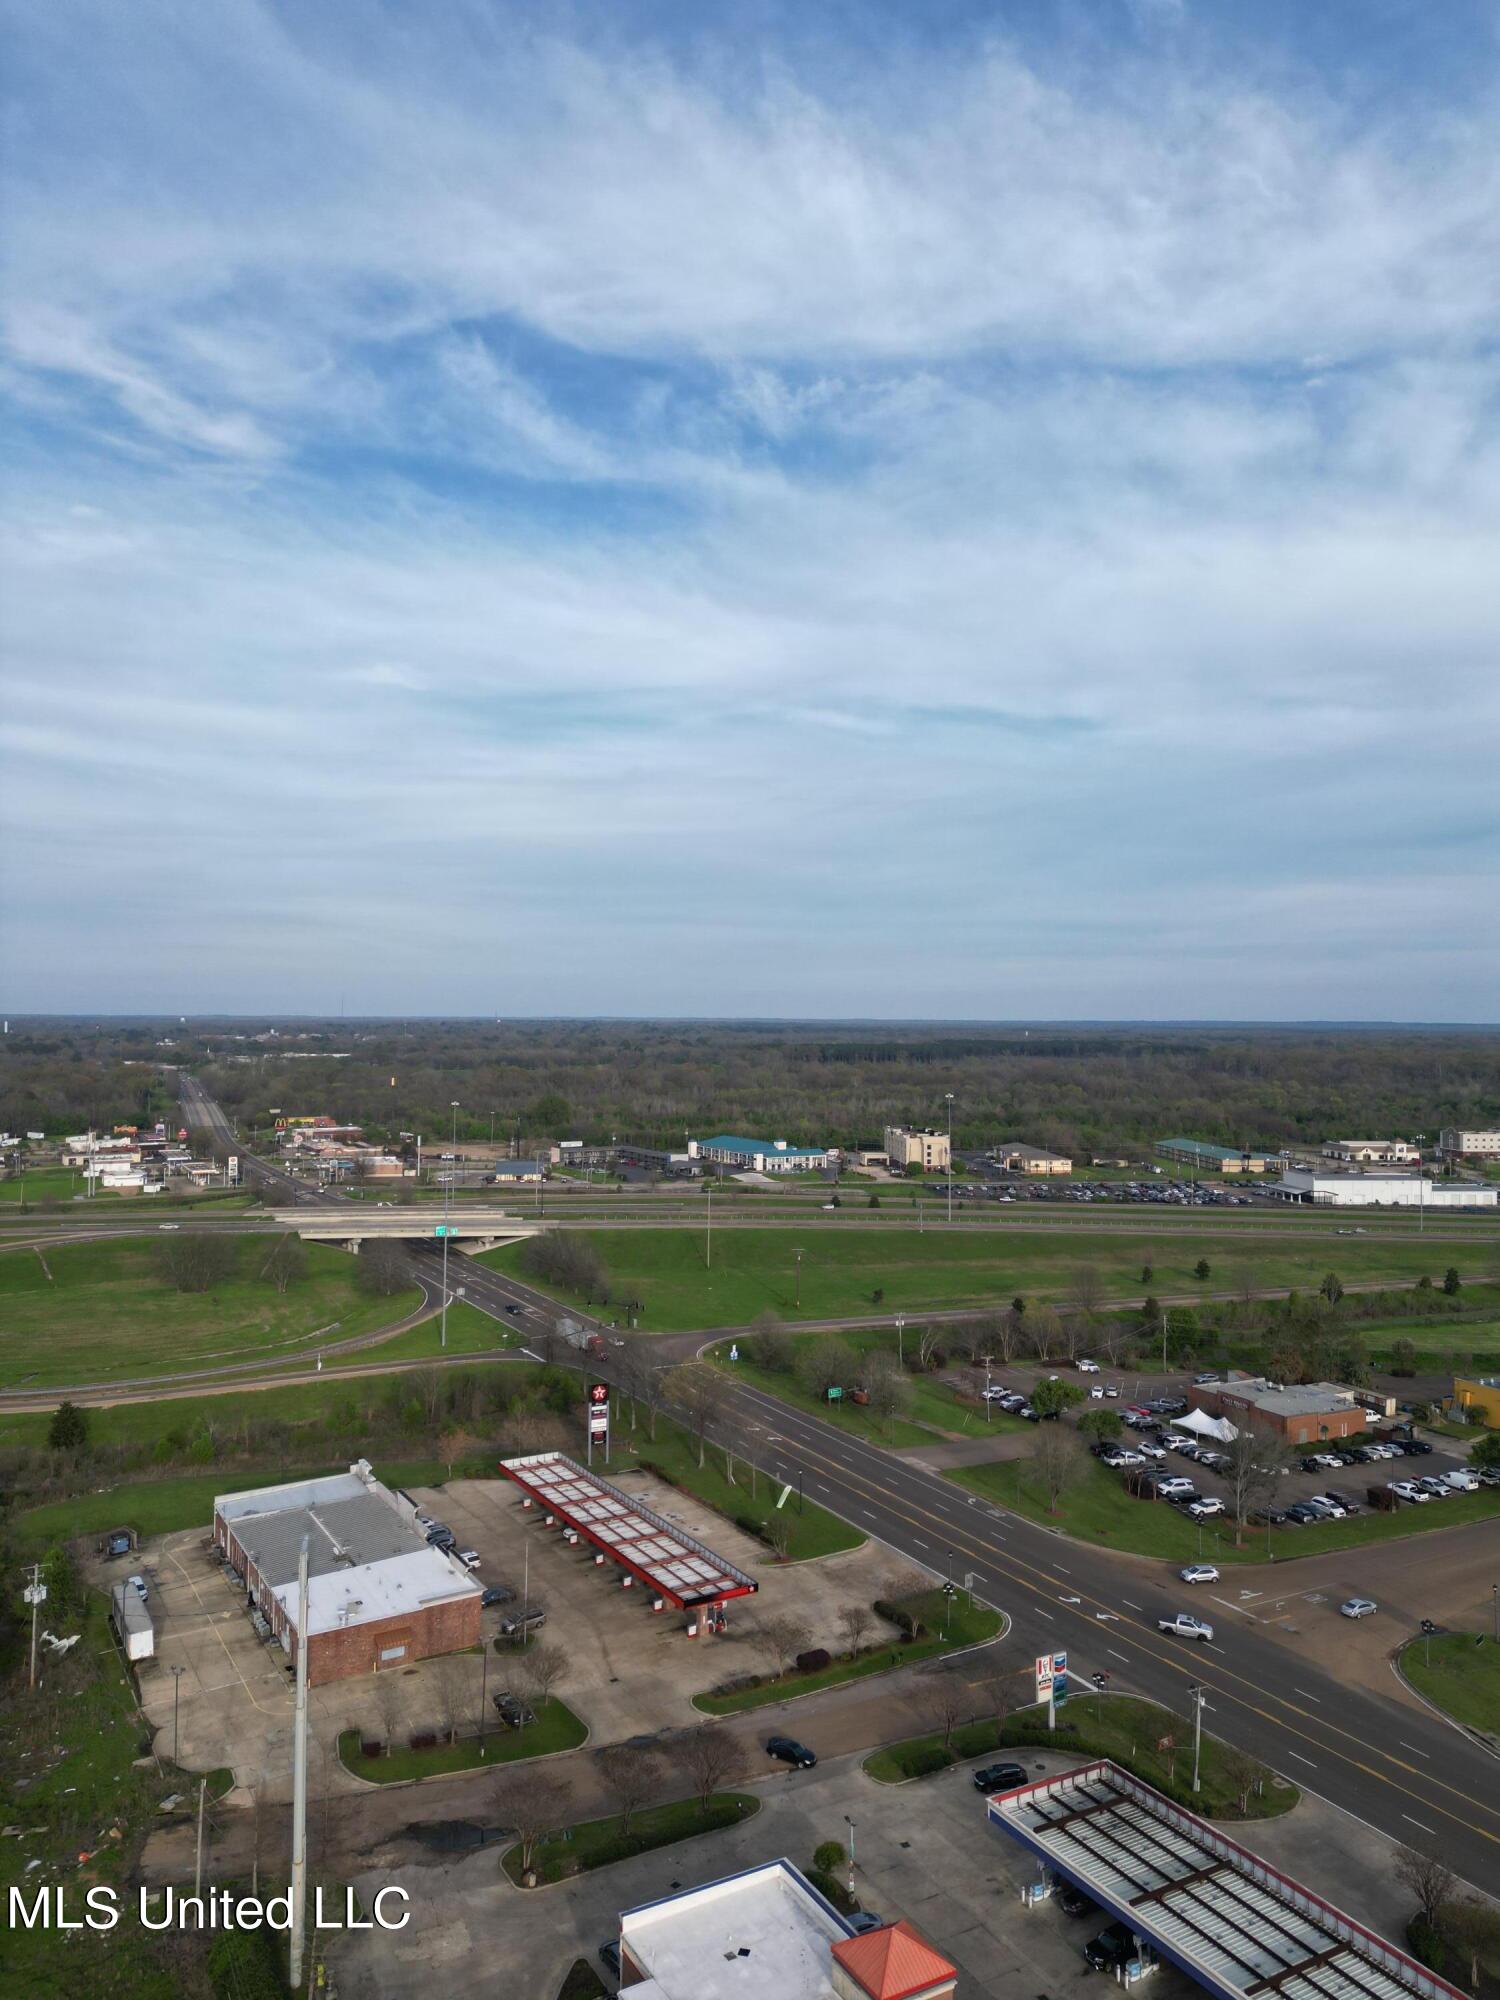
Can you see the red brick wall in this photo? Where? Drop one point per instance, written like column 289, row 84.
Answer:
column 1296, row 1430
column 436, row 1628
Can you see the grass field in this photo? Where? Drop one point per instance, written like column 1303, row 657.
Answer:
column 674, row 1457
column 755, row 1270
column 968, row 1624
column 101, row 1312
column 1097, row 1509
column 1462, row 1677
column 929, row 1402
column 556, row 1728
column 470, row 1331
column 595, row 1843
column 1121, row 1727
column 1436, row 1337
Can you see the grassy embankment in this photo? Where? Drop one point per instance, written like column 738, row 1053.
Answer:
column 595, row 1843
column 1123, row 1728
column 754, row 1270
column 556, row 1728
column 968, row 1624
column 84, row 1312
column 1459, row 1673
column 1096, row 1508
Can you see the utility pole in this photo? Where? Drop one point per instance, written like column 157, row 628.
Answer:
column 35, row 1596
column 900, row 1343
column 299, row 1777
column 709, row 1259
column 798, row 1255
column 447, row 1191
column 1163, row 1340
column 177, row 1674
column 988, row 1406
column 1197, row 1693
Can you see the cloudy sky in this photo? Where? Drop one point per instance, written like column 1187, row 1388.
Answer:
column 950, row 510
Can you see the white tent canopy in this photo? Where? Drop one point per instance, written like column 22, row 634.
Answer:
column 1203, row 1425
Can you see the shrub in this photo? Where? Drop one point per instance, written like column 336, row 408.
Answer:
column 814, row 1660
column 828, row 1856
column 832, row 1890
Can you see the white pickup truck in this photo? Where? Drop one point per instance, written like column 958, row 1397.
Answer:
column 1182, row 1625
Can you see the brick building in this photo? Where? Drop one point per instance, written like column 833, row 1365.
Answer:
column 1306, row 1414
column 378, row 1595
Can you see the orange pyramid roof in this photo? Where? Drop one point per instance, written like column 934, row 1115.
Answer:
column 893, row 1962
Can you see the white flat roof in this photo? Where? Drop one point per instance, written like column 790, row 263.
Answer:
column 1231, row 1921
column 766, row 1932
column 391, row 1589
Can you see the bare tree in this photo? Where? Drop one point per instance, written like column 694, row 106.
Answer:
column 1242, row 1773
column 1256, row 1464
column 779, row 1533
column 1246, row 1282
column 1057, row 1461
column 452, row 1688
column 782, row 1637
column 700, row 1392
column 631, row 1774
column 996, row 1690
column 540, row 1671
column 827, row 1363
column 1086, row 1287
column 1473, row 1925
column 856, row 1620
column 286, row 1263
column 888, row 1389
column 194, row 1260
column 535, row 1803
column 713, row 1757
column 381, row 1267
column 943, row 1702
column 1003, row 1335
column 1044, row 1329
column 1432, row 1882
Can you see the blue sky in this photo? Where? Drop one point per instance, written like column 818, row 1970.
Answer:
column 969, row 511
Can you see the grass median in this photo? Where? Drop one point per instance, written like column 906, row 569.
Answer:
column 1151, row 1742
column 751, row 1502
column 595, row 1843
column 967, row 1624
column 1458, row 1672
column 556, row 1728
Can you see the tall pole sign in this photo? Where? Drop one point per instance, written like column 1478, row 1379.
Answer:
column 598, row 1418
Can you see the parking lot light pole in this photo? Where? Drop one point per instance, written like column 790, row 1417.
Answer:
column 949, row 1095
column 177, row 1674
column 850, row 1824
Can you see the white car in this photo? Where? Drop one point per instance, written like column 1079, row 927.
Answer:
column 138, row 1585
column 1088, row 1368
column 469, row 1558
column 1167, row 1487
column 1152, row 1450
column 1096, row 1395
column 1199, row 1573
column 993, row 1395
column 1182, row 1625
column 1358, row 1607
column 1407, row 1489
column 1203, row 1510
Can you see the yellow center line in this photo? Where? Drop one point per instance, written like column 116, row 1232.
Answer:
column 1146, row 1642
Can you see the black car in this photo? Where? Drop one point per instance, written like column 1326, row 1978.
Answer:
column 789, row 1751
column 498, row 1593
column 1302, row 1514
column 1416, row 1447
column 1272, row 1517
column 999, row 1777
column 1112, row 1948
column 866, row 1920
column 609, row 1957
column 513, row 1711
column 1073, row 1903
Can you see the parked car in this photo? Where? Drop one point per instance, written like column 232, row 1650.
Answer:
column 1462, row 1480
column 1269, row 1517
column 513, row 1711
column 1324, row 1508
column 999, row 1777
column 1088, row 1368
column 498, row 1593
column 470, row 1558
column 1183, row 1625
column 866, row 1920
column 789, row 1751
column 1111, row 1949
column 1408, row 1489
column 1073, row 1903
column 1174, row 1486
column 1358, row 1607
column 521, row 1622
column 1343, row 1500
column 609, row 1957
column 1199, row 1573
column 138, row 1585
column 1205, row 1509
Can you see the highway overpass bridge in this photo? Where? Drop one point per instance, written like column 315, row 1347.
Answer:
column 351, row 1224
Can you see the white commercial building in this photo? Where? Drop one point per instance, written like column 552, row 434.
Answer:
column 1458, row 1144
column 760, row 1156
column 908, row 1148
column 1373, row 1152
column 1320, row 1190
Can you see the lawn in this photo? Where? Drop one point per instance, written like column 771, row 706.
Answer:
column 105, row 1312
column 1098, row 1509
column 750, row 1504
column 930, row 1401
column 597, row 1842
column 1123, row 1728
column 968, row 1624
column 162, row 1506
column 556, row 1728
column 755, row 1270
column 1458, row 1672
column 470, row 1331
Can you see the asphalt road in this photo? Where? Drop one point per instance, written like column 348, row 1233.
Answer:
column 1405, row 1772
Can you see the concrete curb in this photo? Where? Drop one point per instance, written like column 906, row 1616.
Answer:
column 1489, row 1744
column 471, row 1771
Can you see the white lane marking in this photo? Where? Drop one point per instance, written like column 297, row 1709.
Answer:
column 1043, row 1611
column 1418, row 1822
column 1308, row 1697
column 920, row 1545
column 1061, row 1571
column 1302, row 1760
column 1131, row 1602
column 867, row 1514
column 1118, row 1656
column 1413, row 1748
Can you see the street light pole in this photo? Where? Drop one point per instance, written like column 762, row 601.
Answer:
column 850, row 1824
column 1197, row 1694
column 798, row 1255
column 900, row 1340
column 949, row 1095
column 177, row 1674
column 709, row 1259
column 447, row 1191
